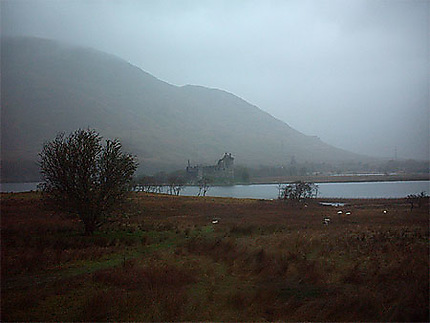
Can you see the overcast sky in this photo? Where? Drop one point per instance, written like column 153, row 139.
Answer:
column 354, row 73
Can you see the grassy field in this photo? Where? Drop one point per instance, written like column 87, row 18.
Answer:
column 162, row 259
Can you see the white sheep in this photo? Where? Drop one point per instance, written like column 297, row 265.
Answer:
column 326, row 221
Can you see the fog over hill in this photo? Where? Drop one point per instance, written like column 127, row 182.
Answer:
column 49, row 87
column 354, row 73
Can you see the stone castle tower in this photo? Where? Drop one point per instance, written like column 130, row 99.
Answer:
column 223, row 169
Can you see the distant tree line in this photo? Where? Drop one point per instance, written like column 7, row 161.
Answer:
column 158, row 182
column 162, row 182
column 315, row 168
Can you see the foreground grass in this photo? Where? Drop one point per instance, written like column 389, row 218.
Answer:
column 162, row 259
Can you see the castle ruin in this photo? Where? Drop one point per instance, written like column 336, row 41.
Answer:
column 224, row 169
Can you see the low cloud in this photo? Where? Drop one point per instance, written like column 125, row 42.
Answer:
column 355, row 73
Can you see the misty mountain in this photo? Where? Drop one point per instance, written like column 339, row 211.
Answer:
column 50, row 87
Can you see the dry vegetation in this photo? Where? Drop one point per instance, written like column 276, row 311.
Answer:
column 164, row 260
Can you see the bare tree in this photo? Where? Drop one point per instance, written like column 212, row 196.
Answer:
column 416, row 199
column 176, row 184
column 204, row 185
column 84, row 177
column 150, row 184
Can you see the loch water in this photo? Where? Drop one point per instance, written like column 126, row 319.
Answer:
column 325, row 190
column 270, row 191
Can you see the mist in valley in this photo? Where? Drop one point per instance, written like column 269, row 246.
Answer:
column 353, row 73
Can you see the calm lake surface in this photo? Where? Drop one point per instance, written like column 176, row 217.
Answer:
column 335, row 190
column 18, row 187
column 270, row 191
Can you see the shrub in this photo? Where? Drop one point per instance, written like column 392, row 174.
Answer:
column 84, row 177
column 298, row 191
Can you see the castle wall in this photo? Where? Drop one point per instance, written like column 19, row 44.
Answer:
column 223, row 169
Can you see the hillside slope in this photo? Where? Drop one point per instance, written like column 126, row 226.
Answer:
column 48, row 87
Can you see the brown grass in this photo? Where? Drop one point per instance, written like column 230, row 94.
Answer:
column 161, row 259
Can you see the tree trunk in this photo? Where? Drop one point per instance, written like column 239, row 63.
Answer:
column 90, row 224
column 89, row 229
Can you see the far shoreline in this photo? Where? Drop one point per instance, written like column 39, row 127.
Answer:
column 340, row 179
column 309, row 178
